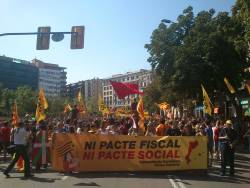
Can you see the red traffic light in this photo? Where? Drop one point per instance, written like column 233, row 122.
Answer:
column 77, row 37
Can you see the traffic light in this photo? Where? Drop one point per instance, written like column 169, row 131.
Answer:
column 43, row 38
column 77, row 37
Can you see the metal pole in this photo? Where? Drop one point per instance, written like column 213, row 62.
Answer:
column 35, row 33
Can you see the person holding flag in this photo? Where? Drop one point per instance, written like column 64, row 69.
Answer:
column 41, row 145
column 21, row 136
column 15, row 121
column 5, row 138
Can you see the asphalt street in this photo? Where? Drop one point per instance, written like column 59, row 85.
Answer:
column 188, row 179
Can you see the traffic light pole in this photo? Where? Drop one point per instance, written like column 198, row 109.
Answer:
column 44, row 33
column 35, row 33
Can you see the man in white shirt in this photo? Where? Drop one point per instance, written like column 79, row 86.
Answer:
column 20, row 139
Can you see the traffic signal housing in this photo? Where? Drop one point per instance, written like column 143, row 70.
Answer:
column 77, row 37
column 43, row 38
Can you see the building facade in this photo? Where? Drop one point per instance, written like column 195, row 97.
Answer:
column 52, row 78
column 142, row 77
column 16, row 72
column 73, row 89
column 91, row 89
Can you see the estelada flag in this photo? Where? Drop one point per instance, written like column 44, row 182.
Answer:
column 140, row 110
column 42, row 104
column 15, row 117
column 206, row 101
column 229, row 86
column 124, row 89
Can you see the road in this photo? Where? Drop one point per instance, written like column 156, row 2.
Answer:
column 189, row 179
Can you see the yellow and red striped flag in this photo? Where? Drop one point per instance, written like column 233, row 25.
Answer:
column 81, row 106
column 163, row 106
column 42, row 104
column 15, row 117
column 140, row 110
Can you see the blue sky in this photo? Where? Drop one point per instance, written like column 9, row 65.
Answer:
column 115, row 31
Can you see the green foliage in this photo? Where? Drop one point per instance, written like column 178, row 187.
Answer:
column 152, row 95
column 26, row 100
column 194, row 50
column 92, row 105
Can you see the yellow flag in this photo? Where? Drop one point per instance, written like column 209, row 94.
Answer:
column 42, row 104
column 81, row 106
column 140, row 110
column 15, row 117
column 229, row 86
column 103, row 108
column 67, row 108
column 206, row 101
column 248, row 88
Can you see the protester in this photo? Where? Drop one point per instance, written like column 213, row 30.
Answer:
column 150, row 129
column 188, row 130
column 160, row 129
column 228, row 139
column 79, row 129
column 216, row 131
column 174, row 130
column 40, row 152
column 210, row 141
column 5, row 138
column 20, row 136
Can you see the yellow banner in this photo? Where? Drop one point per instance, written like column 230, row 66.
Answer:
column 72, row 152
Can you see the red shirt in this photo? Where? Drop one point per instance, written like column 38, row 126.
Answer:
column 216, row 134
column 5, row 134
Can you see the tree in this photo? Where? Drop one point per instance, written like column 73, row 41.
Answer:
column 152, row 95
column 56, row 106
column 196, row 50
column 241, row 18
column 7, row 99
column 26, row 100
column 92, row 105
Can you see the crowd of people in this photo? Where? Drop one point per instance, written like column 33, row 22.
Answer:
column 222, row 137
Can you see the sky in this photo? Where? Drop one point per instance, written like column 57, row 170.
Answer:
column 115, row 31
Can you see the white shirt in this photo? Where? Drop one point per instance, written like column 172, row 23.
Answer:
column 20, row 136
column 78, row 130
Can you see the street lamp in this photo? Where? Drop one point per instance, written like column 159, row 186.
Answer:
column 167, row 21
